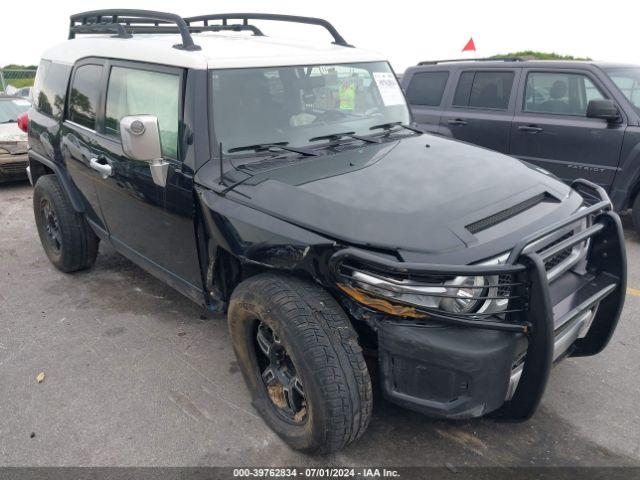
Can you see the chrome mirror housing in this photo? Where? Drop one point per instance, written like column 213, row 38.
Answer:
column 140, row 136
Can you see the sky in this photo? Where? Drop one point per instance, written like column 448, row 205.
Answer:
column 404, row 31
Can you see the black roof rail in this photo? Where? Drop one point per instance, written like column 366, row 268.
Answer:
column 233, row 28
column 245, row 17
column 131, row 21
column 487, row 59
column 196, row 29
column 120, row 31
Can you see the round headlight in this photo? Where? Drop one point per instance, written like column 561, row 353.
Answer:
column 465, row 294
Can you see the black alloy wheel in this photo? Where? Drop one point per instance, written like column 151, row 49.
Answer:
column 51, row 225
column 279, row 375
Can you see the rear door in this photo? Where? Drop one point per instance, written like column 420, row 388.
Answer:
column 551, row 128
column 425, row 92
column 481, row 108
column 78, row 135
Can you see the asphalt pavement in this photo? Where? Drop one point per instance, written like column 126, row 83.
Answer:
column 135, row 375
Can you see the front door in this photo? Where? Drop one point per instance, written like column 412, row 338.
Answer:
column 151, row 224
column 551, row 128
column 481, row 109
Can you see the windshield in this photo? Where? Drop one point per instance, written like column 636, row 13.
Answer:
column 293, row 105
column 628, row 81
column 11, row 108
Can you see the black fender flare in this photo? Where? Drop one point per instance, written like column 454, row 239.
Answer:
column 63, row 177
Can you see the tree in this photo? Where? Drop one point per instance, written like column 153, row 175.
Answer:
column 533, row 55
column 13, row 66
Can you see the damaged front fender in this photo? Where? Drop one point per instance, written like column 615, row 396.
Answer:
column 242, row 241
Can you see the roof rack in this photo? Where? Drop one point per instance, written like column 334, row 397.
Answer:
column 103, row 27
column 488, row 59
column 245, row 17
column 196, row 29
column 131, row 21
column 124, row 22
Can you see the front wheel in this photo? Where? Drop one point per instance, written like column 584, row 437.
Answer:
column 301, row 361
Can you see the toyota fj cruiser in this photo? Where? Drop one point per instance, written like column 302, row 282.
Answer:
column 284, row 184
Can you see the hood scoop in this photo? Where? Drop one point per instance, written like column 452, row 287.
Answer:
column 510, row 212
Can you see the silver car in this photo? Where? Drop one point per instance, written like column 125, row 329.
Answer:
column 13, row 141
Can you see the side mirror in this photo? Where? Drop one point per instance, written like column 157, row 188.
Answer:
column 604, row 109
column 140, row 137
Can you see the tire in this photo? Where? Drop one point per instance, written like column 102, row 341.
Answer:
column 635, row 213
column 66, row 237
column 318, row 339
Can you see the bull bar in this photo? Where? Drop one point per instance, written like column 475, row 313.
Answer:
column 533, row 308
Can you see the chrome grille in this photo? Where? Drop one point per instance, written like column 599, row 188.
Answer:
column 560, row 257
column 504, row 287
column 566, row 258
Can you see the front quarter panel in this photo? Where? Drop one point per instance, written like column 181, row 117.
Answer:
column 260, row 240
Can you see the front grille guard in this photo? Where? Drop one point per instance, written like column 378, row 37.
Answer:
column 530, row 309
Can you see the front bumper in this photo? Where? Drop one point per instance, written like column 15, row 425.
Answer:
column 13, row 166
column 462, row 367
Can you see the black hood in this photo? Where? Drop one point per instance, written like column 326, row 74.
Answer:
column 418, row 195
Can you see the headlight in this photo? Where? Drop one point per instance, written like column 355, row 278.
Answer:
column 467, row 296
column 412, row 297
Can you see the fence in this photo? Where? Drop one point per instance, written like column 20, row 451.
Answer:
column 16, row 79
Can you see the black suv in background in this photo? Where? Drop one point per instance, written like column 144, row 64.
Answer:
column 574, row 119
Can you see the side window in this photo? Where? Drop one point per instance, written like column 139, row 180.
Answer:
column 559, row 93
column 50, row 88
column 489, row 90
column 84, row 95
column 41, row 74
column 427, row 88
column 140, row 92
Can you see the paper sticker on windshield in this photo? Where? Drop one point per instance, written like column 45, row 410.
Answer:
column 22, row 103
column 388, row 88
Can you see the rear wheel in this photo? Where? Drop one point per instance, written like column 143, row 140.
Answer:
column 65, row 235
column 302, row 362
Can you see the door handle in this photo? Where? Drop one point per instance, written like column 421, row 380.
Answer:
column 457, row 121
column 530, row 128
column 103, row 168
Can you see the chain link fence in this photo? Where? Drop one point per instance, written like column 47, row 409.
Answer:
column 14, row 81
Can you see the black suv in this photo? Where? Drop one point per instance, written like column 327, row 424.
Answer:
column 285, row 186
column 574, row 119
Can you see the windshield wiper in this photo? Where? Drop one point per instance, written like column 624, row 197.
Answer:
column 337, row 136
column 9, row 121
column 388, row 127
column 267, row 147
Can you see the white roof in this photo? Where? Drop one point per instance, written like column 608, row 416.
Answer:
column 219, row 50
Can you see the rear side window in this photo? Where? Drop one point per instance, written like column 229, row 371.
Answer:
column 490, row 90
column 84, row 95
column 427, row 88
column 559, row 93
column 140, row 92
column 50, row 88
